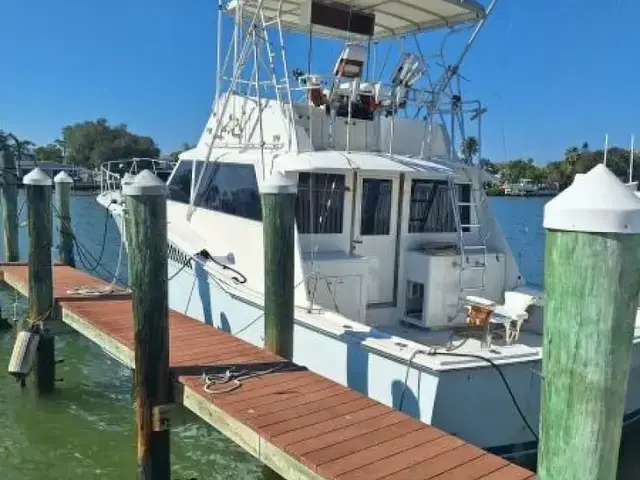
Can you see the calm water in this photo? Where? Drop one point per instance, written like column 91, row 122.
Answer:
column 86, row 429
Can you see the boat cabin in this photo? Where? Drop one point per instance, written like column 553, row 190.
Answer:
column 390, row 224
column 381, row 239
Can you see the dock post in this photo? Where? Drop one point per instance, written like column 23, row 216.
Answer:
column 63, row 204
column 592, row 281
column 278, row 194
column 146, row 230
column 10, row 206
column 38, row 186
column 278, row 216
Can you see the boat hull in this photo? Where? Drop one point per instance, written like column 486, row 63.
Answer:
column 472, row 403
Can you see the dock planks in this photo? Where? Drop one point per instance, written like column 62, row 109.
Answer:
column 300, row 424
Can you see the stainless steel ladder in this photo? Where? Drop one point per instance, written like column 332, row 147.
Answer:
column 466, row 233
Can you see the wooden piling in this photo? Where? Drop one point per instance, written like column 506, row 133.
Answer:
column 278, row 216
column 63, row 206
column 146, row 230
column 592, row 280
column 10, row 206
column 38, row 186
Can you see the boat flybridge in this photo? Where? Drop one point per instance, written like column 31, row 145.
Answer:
column 406, row 288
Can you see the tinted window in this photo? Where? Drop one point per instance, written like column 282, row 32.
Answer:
column 320, row 203
column 229, row 188
column 375, row 211
column 430, row 210
column 180, row 185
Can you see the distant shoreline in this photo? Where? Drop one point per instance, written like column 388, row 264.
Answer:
column 496, row 192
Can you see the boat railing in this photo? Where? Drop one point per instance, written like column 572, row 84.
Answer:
column 112, row 172
column 363, row 99
column 327, row 88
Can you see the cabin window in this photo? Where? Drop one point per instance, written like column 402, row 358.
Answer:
column 229, row 188
column 320, row 203
column 375, row 210
column 430, row 210
column 180, row 184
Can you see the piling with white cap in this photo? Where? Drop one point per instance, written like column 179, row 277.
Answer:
column 9, row 213
column 10, row 205
column 145, row 222
column 278, row 195
column 592, row 281
column 64, row 182
column 38, row 185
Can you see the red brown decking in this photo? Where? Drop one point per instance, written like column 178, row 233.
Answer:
column 299, row 423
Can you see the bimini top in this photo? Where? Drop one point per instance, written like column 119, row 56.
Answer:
column 363, row 18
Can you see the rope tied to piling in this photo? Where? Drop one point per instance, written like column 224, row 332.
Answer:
column 90, row 290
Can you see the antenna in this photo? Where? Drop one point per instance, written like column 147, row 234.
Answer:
column 606, row 148
column 631, row 160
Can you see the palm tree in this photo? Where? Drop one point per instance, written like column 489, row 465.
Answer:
column 62, row 145
column 470, row 148
column 571, row 157
column 20, row 147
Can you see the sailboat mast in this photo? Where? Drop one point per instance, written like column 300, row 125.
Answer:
column 606, row 148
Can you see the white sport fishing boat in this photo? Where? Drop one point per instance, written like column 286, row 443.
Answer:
column 406, row 288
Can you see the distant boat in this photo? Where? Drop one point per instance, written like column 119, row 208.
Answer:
column 113, row 172
column 527, row 187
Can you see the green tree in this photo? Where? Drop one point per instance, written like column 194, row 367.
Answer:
column 470, row 148
column 62, row 145
column 48, row 153
column 518, row 169
column 20, row 148
column 486, row 164
column 556, row 175
column 92, row 143
column 183, row 148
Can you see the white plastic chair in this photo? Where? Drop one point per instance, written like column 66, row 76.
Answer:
column 514, row 310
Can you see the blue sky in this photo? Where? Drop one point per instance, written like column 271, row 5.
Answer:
column 552, row 73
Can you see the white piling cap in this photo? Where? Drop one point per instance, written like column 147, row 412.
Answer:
column 145, row 183
column 279, row 183
column 63, row 177
column 128, row 178
column 37, row 177
column 595, row 202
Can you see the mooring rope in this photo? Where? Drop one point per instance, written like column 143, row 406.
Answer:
column 94, row 290
column 232, row 379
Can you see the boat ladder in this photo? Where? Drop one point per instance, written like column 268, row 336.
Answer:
column 471, row 241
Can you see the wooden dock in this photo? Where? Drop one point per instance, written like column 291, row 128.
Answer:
column 300, row 424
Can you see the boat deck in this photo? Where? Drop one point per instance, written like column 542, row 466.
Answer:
column 299, row 423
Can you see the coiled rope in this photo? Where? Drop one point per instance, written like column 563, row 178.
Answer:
column 231, row 379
